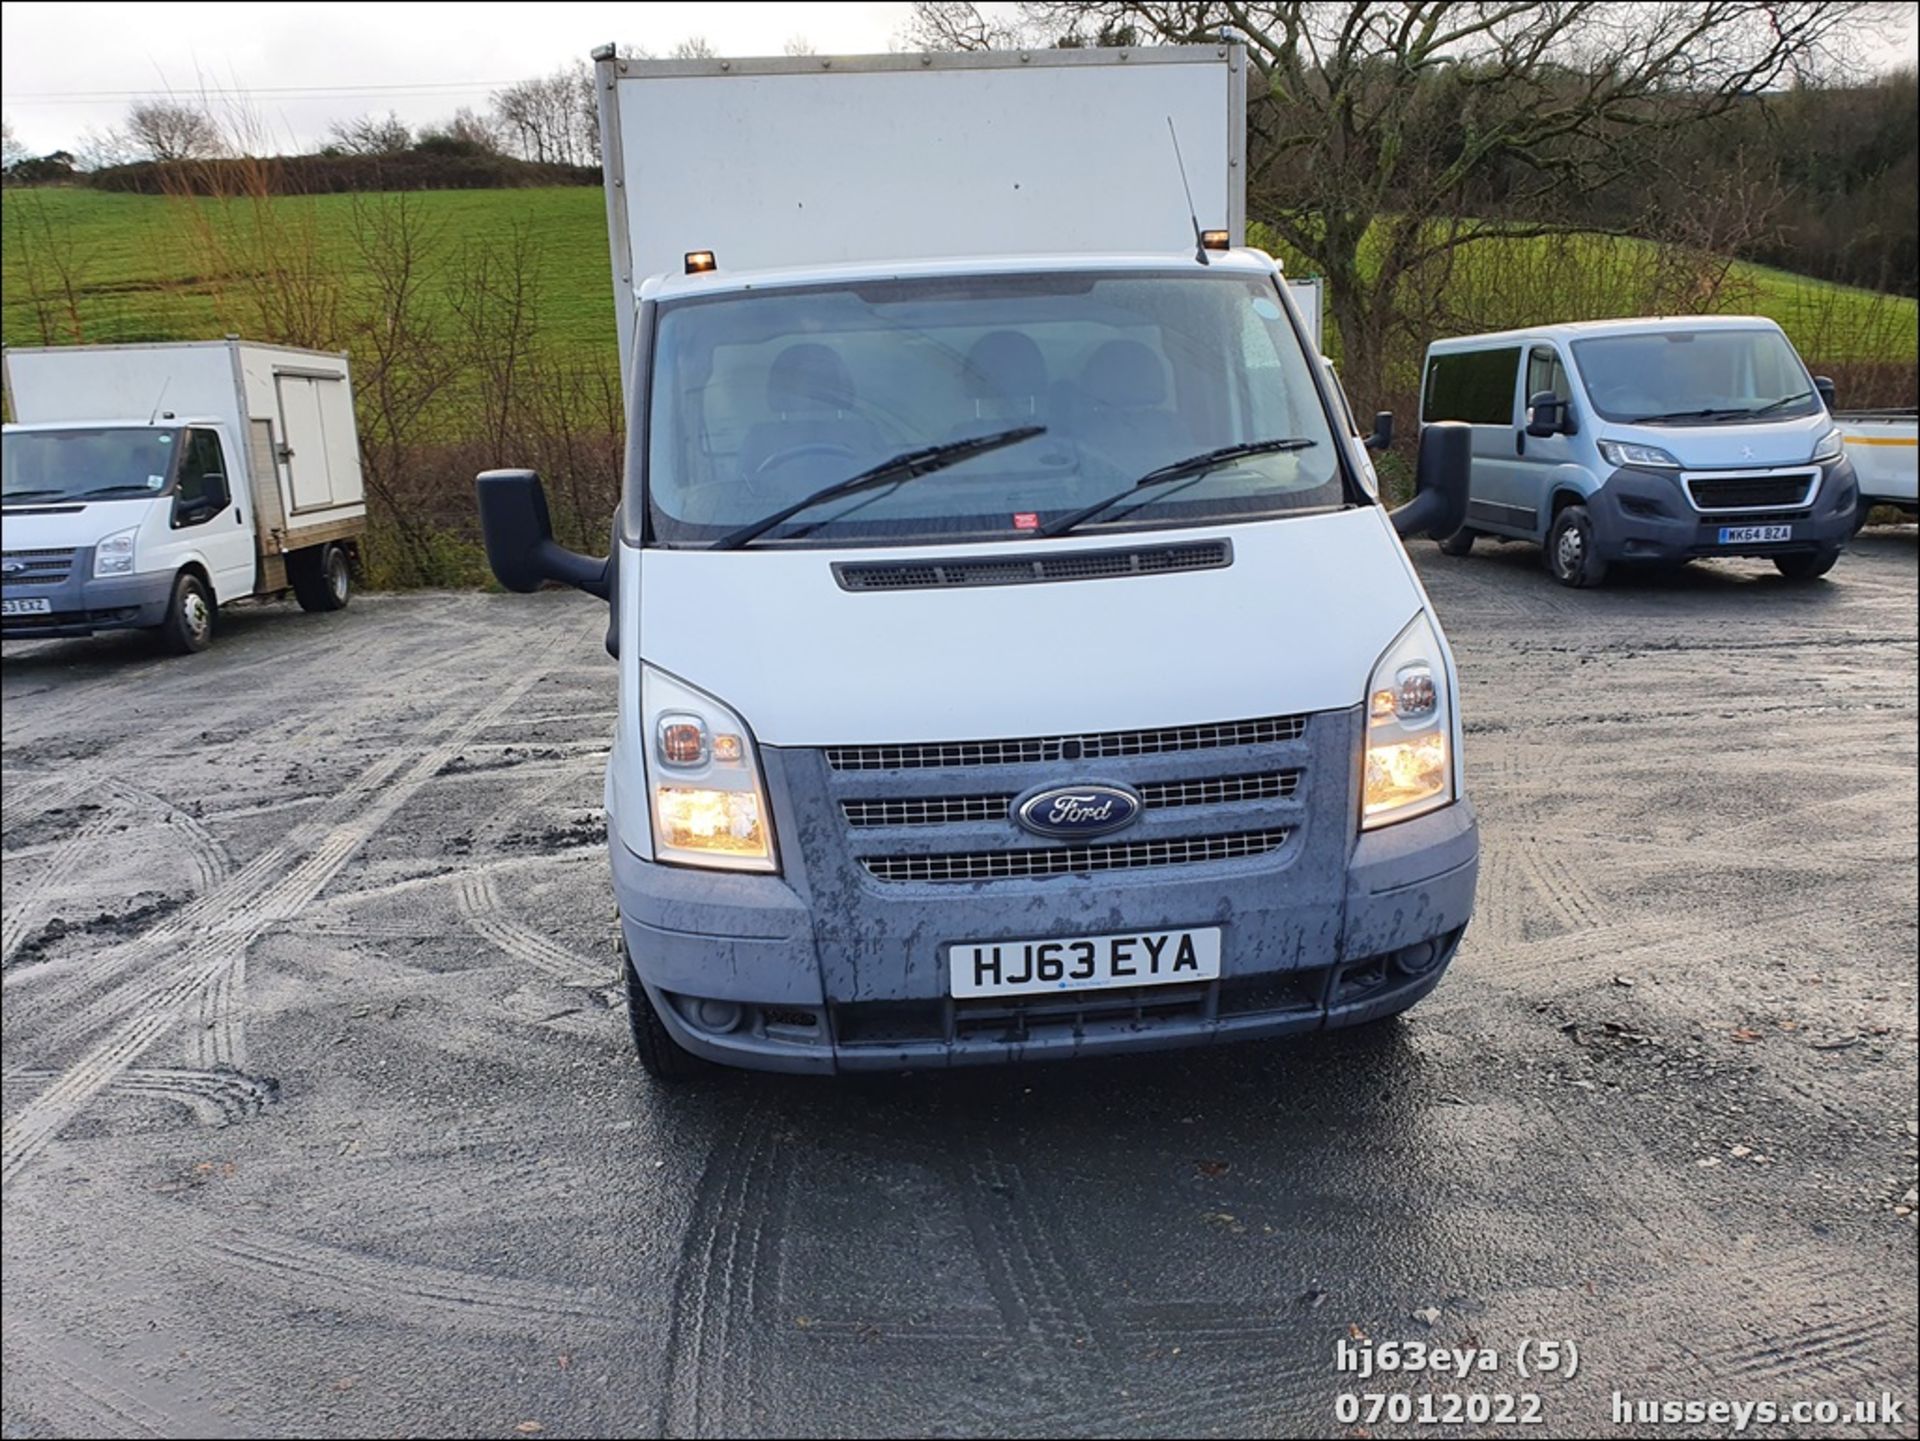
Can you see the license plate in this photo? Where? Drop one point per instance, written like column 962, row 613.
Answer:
column 1083, row 963
column 26, row 607
column 1748, row 534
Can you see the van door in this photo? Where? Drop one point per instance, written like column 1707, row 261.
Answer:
column 1482, row 388
column 304, row 440
column 1542, row 456
column 210, row 517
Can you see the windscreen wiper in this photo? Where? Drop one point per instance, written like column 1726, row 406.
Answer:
column 113, row 490
column 11, row 496
column 1667, row 416
column 1781, row 403
column 1194, row 466
column 909, row 465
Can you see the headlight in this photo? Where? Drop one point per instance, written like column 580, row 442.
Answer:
column 1409, row 765
column 1832, row 446
column 709, row 807
column 114, row 555
column 1626, row 452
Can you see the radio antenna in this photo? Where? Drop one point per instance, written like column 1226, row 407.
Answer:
column 154, row 414
column 1199, row 246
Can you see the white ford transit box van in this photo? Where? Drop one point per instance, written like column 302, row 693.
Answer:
column 150, row 486
column 1015, row 658
column 1646, row 440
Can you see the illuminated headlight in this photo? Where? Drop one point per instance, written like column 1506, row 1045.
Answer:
column 114, row 555
column 1646, row 457
column 709, row 807
column 1409, row 762
column 1832, row 446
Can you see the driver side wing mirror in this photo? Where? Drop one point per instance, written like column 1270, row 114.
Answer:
column 519, row 538
column 1382, row 437
column 1440, row 480
column 1824, row 384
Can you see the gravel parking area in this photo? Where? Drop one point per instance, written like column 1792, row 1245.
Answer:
column 320, row 1118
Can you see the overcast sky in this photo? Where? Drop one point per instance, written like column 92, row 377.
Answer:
column 67, row 68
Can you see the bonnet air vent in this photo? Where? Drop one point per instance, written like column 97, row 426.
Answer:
column 1022, row 570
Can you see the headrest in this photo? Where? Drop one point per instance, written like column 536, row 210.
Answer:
column 1004, row 365
column 809, row 376
column 1126, row 375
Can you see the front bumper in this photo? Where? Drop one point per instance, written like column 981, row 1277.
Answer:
column 78, row 604
column 1641, row 515
column 1376, row 939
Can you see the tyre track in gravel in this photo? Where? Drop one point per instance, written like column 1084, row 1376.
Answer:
column 216, row 1097
column 731, row 1242
column 26, row 896
column 82, row 1391
column 261, row 896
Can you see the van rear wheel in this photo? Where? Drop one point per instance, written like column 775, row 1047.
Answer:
column 322, row 577
column 1572, row 557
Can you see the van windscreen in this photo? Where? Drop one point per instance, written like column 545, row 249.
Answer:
column 761, row 398
column 1695, row 377
column 87, row 463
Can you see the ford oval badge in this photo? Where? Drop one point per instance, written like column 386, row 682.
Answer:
column 1077, row 811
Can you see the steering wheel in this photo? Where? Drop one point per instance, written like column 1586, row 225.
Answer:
column 800, row 452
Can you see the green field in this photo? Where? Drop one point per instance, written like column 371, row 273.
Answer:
column 135, row 272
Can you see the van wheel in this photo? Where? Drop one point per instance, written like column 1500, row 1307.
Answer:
column 663, row 1057
column 188, row 627
column 1572, row 558
column 322, row 577
column 1459, row 543
column 1810, row 565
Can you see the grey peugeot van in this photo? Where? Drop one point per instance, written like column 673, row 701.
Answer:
column 1655, row 440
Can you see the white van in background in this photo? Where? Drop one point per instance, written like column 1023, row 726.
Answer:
column 1659, row 440
column 148, row 486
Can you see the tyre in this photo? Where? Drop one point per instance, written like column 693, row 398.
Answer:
column 1810, row 565
column 322, row 577
column 663, row 1057
column 1572, row 557
column 188, row 626
column 1459, row 543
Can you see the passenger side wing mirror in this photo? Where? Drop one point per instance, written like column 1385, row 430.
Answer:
column 1548, row 414
column 1824, row 384
column 1382, row 437
column 1440, row 480
column 519, row 537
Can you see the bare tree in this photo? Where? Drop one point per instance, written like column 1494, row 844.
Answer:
column 11, row 150
column 476, row 134
column 371, row 135
column 101, row 149
column 171, row 130
column 694, row 47
column 1397, row 124
column 959, row 25
column 544, row 116
column 798, row 45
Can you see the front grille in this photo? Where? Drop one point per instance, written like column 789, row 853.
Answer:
column 1156, row 796
column 1032, row 570
column 37, row 567
column 1073, row 860
column 1737, row 492
column 1039, row 749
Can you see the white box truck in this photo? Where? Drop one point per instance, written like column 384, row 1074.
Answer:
column 1884, row 446
column 148, row 486
column 1016, row 660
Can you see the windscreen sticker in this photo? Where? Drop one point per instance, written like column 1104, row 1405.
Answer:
column 1265, row 308
column 154, row 482
column 1026, row 520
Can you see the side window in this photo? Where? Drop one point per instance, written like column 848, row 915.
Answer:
column 1472, row 385
column 1545, row 372
column 203, row 471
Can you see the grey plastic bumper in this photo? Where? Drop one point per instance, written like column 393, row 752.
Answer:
column 750, row 940
column 1642, row 515
column 81, row 605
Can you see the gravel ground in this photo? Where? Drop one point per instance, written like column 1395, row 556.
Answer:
column 320, row 1119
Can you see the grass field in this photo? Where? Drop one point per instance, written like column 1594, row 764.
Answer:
column 137, row 274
